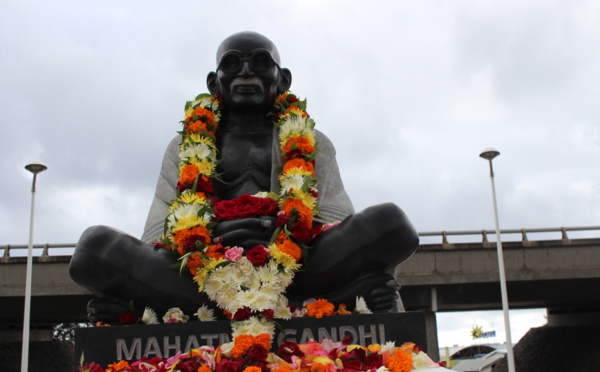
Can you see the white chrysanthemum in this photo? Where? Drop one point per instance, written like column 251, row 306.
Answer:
column 282, row 313
column 149, row 316
column 255, row 300
column 268, row 274
column 295, row 181
column 205, row 314
column 199, row 150
column 204, row 102
column 251, row 280
column 294, row 126
column 254, row 327
column 361, row 306
column 389, row 346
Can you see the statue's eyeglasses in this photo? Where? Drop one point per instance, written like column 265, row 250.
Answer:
column 260, row 61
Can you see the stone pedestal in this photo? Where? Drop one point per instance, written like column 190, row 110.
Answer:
column 105, row 345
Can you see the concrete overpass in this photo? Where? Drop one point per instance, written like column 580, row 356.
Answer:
column 558, row 272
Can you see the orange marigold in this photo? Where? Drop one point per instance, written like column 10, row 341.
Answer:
column 204, row 368
column 116, row 367
column 252, row 369
column 342, row 310
column 283, row 368
column 263, row 340
column 302, row 144
column 400, row 362
column 318, row 367
column 188, row 174
column 241, row 345
column 282, row 97
column 205, row 115
column 196, row 127
column 214, row 253
column 194, row 262
column 304, row 213
column 290, row 248
column 186, row 238
column 320, row 308
column 300, row 163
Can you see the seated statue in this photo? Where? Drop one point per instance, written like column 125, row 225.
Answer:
column 354, row 258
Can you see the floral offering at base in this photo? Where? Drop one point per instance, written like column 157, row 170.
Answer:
column 250, row 354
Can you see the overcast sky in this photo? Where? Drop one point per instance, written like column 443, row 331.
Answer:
column 409, row 92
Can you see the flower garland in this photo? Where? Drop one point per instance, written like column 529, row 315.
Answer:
column 249, row 287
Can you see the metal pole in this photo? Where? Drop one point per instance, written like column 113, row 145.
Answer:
column 35, row 168
column 509, row 348
column 28, row 275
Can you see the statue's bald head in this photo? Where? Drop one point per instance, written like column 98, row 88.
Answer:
column 247, row 40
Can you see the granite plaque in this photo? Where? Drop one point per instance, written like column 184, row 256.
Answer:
column 106, row 345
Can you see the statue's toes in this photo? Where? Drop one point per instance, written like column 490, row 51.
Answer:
column 106, row 310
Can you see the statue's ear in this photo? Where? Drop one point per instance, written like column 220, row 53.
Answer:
column 285, row 81
column 211, row 83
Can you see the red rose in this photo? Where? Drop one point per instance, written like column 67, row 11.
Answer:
column 352, row 365
column 245, row 206
column 269, row 313
column 188, row 365
column 242, row 314
column 288, row 349
column 128, row 318
column 373, row 361
column 282, row 219
column 301, row 232
column 258, row 255
column 291, row 99
column 228, row 365
column 257, row 353
column 91, row 367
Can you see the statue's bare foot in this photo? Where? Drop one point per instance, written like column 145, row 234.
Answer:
column 107, row 310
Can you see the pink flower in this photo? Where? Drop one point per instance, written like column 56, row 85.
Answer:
column 234, row 254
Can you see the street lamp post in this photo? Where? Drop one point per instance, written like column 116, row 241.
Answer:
column 489, row 154
column 35, row 168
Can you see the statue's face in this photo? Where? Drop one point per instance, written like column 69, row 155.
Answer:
column 248, row 72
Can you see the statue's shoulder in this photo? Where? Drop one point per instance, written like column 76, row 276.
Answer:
column 325, row 145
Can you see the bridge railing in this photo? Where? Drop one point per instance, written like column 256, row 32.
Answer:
column 480, row 236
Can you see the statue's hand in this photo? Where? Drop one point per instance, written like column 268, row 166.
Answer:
column 380, row 291
column 245, row 232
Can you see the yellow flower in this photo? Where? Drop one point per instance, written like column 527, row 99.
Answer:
column 282, row 258
column 205, row 166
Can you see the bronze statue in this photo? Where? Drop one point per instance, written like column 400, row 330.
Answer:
column 351, row 259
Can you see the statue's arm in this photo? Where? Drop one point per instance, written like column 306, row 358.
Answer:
column 165, row 192
column 334, row 202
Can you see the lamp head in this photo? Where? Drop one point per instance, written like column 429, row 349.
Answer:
column 489, row 153
column 36, row 167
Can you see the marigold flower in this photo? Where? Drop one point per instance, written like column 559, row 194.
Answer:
column 252, row 369
column 204, row 368
column 241, row 345
column 400, row 361
column 342, row 310
column 320, row 308
column 318, row 367
column 300, row 143
column 186, row 239
column 304, row 213
column 300, row 163
column 196, row 127
column 188, row 174
column 120, row 366
column 285, row 245
column 194, row 262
